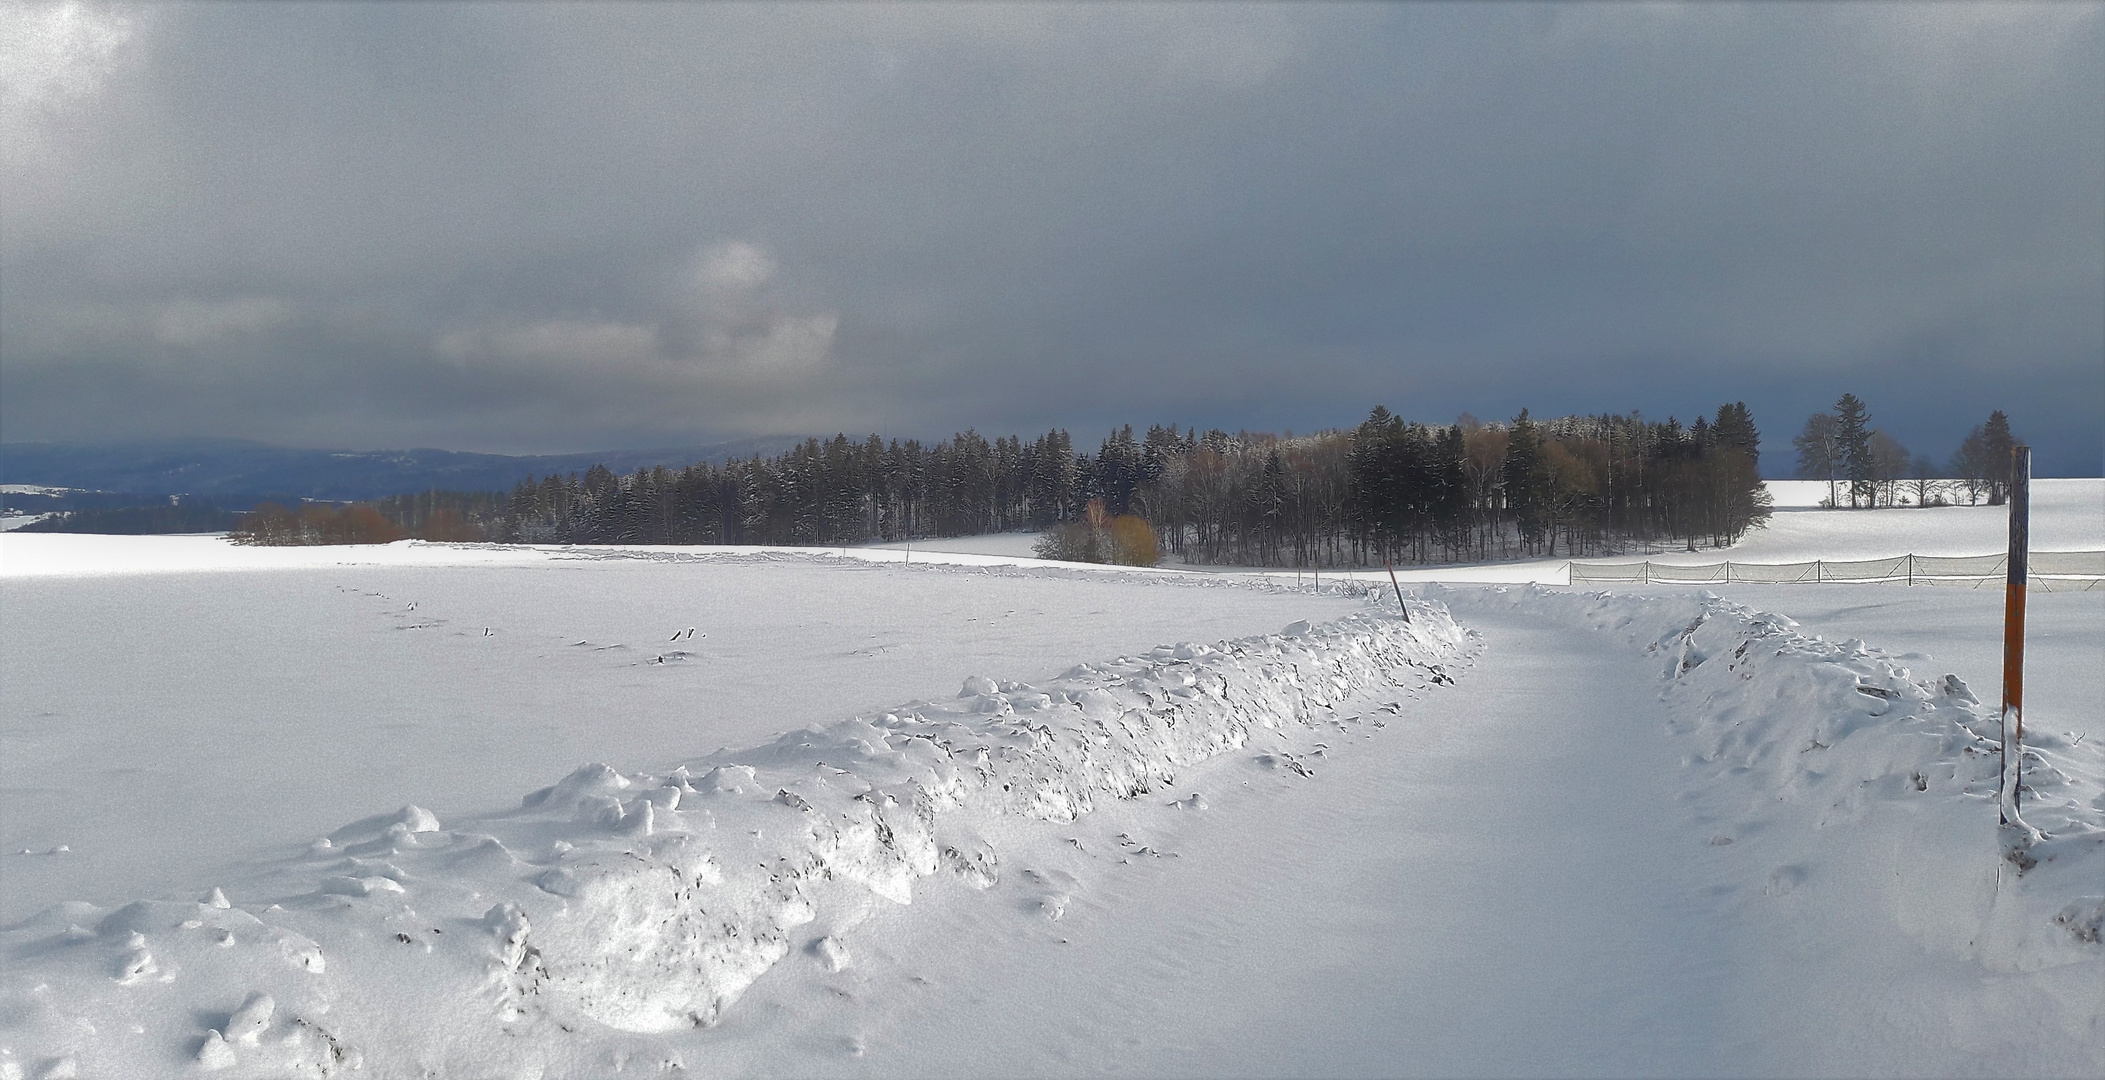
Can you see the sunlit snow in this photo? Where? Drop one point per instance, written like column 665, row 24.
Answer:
column 428, row 809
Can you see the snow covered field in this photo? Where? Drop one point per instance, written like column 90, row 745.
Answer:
column 2067, row 515
column 269, row 707
column 1646, row 832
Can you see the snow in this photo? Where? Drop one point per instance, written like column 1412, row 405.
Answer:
column 2066, row 515
column 648, row 904
column 1532, row 831
column 1013, row 545
column 266, row 707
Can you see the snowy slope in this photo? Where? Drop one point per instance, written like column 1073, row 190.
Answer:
column 2066, row 515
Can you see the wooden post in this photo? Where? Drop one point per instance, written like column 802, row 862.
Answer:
column 2014, row 633
column 1399, row 590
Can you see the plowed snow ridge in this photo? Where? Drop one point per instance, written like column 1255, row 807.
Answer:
column 648, row 903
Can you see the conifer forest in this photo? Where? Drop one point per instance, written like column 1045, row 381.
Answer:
column 1386, row 490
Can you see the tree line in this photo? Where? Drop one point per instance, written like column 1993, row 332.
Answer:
column 1387, row 490
column 447, row 516
column 1872, row 469
column 163, row 517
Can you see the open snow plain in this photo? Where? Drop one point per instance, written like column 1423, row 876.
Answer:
column 1532, row 832
column 270, row 706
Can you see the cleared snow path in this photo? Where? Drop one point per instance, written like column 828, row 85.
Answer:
column 1499, row 883
column 1592, row 857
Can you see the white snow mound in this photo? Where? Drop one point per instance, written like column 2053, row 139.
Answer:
column 652, row 902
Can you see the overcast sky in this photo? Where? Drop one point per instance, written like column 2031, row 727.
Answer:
column 553, row 228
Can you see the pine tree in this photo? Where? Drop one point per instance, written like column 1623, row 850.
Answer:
column 1853, row 440
column 1997, row 441
column 1523, row 478
column 1735, row 429
column 1118, row 470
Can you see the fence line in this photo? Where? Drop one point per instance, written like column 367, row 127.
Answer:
column 2051, row 571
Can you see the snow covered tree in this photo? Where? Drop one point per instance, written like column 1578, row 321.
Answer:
column 1118, row 470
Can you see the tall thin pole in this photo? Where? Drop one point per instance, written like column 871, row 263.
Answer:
column 1400, row 606
column 2014, row 633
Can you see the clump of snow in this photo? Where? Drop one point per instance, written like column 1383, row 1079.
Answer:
column 647, row 903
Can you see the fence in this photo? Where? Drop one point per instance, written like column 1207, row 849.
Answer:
column 2051, row 571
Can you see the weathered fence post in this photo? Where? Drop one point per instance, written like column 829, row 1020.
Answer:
column 1400, row 606
column 2014, row 633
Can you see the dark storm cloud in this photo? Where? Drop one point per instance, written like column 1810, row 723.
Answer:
column 517, row 227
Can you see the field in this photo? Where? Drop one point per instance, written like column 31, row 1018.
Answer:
column 272, row 812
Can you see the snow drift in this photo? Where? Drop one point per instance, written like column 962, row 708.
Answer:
column 1835, row 760
column 652, row 902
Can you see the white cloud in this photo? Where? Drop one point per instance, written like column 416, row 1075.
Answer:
column 726, row 330
column 734, row 266
column 779, row 346
column 54, row 52
column 740, row 331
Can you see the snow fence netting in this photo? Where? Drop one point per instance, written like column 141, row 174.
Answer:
column 2051, row 570
column 647, row 902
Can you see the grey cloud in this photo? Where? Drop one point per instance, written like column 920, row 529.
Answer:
column 559, row 227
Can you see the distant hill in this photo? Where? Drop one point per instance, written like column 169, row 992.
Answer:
column 233, row 466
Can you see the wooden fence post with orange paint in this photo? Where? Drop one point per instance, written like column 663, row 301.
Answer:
column 2014, row 634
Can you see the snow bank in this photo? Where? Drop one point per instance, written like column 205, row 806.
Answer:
column 1833, row 760
column 644, row 902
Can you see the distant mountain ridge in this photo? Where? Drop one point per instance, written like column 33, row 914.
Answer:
column 234, row 466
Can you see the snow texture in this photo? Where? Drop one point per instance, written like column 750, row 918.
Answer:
column 649, row 903
column 1796, row 740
